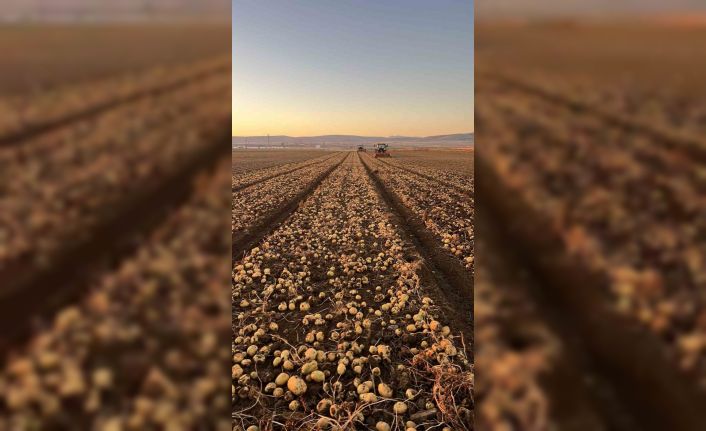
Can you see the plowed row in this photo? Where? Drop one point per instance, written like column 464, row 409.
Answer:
column 252, row 161
column 445, row 211
column 437, row 171
column 255, row 177
column 57, row 185
column 261, row 200
column 24, row 116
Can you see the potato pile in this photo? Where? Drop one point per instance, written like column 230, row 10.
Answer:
column 447, row 213
column 144, row 349
column 333, row 329
column 59, row 184
column 24, row 112
column 247, row 171
column 625, row 205
column 255, row 203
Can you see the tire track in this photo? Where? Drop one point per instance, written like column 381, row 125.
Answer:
column 20, row 136
column 246, row 240
column 454, row 281
column 29, row 292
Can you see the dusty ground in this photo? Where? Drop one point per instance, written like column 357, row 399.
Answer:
column 610, row 52
column 36, row 57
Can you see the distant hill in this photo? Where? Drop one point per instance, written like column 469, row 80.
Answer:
column 337, row 141
column 455, row 137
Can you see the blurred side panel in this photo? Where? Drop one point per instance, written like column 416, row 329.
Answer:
column 114, row 213
column 590, row 280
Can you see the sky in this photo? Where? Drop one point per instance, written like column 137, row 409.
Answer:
column 361, row 67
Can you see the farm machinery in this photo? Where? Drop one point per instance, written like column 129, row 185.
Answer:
column 381, row 150
column 361, row 148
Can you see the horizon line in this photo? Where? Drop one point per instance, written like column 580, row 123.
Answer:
column 347, row 134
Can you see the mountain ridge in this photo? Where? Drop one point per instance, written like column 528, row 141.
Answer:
column 335, row 140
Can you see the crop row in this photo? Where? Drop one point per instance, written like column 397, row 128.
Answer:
column 246, row 161
column 457, row 161
column 255, row 203
column 333, row 327
column 25, row 112
column 144, row 348
column 625, row 206
column 57, row 185
column 254, row 176
column 437, row 171
column 447, row 213
column 79, row 140
column 670, row 106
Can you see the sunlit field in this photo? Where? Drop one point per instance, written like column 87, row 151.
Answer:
column 114, row 168
column 592, row 169
column 352, row 290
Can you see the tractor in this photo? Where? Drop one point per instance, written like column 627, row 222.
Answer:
column 381, row 150
column 361, row 148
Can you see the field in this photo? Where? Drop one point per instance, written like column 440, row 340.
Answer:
column 352, row 292
column 246, row 161
column 597, row 179
column 113, row 244
column 455, row 160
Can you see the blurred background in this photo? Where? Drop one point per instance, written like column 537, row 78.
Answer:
column 114, row 215
column 591, row 247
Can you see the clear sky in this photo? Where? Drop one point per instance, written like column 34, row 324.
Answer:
column 364, row 67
